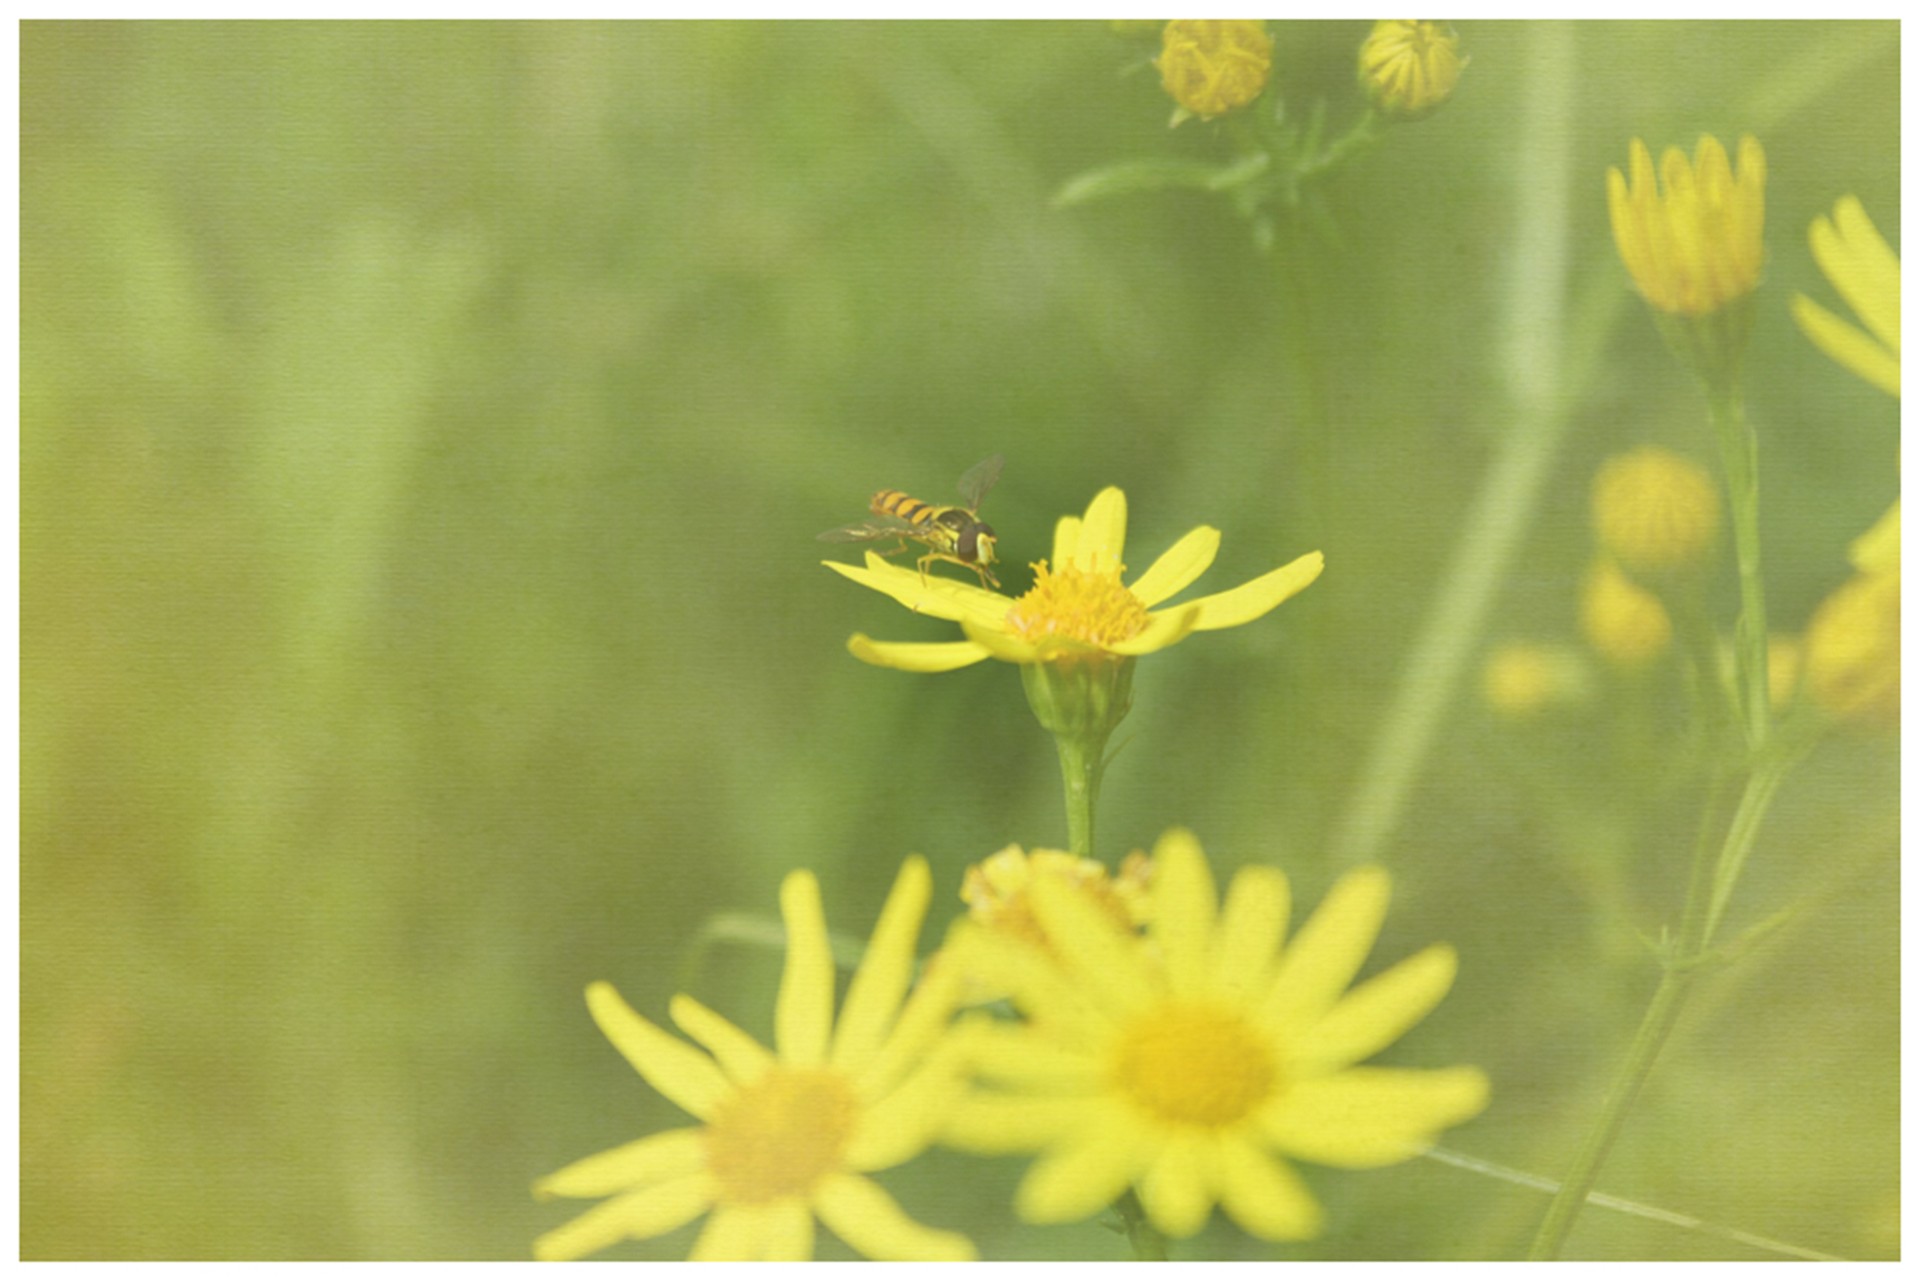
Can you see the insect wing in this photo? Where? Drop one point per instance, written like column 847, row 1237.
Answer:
column 867, row 531
column 979, row 480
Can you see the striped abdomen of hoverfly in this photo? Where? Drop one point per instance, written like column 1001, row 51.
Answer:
column 955, row 529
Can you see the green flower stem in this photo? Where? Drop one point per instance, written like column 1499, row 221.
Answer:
column 1739, row 453
column 1708, row 889
column 1082, row 762
column 1149, row 1244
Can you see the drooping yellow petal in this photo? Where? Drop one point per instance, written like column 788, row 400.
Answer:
column 1173, row 1187
column 1178, row 566
column 803, row 1012
column 658, row 1158
column 881, row 981
column 1084, row 1173
column 932, row 595
column 656, row 1209
column 1250, row 600
column 916, row 656
column 1371, row 1116
column 1847, row 346
column 670, row 1065
column 741, row 1057
column 1263, row 1194
column 1323, row 958
column 1252, row 925
column 859, row 1212
column 1378, row 1012
column 1184, row 902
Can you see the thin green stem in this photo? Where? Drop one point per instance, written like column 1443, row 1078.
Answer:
column 1740, row 456
column 1741, row 834
column 1148, row 1242
column 1082, row 761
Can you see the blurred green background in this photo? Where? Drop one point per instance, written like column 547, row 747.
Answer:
column 425, row 428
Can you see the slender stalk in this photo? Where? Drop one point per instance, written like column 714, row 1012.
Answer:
column 1082, row 761
column 1149, row 1244
column 1739, row 454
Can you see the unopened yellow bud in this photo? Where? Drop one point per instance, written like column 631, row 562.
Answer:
column 1210, row 66
column 1410, row 68
column 1625, row 623
column 1654, row 511
column 1691, row 241
column 1853, row 650
column 1522, row 679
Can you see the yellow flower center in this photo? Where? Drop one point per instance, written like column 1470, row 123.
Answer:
column 1197, row 1065
column 777, row 1137
column 1090, row 607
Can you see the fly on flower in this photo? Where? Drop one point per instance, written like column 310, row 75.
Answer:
column 956, row 535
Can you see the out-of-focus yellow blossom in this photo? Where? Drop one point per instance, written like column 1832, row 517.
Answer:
column 1210, row 66
column 1625, row 623
column 998, row 890
column 1077, row 610
column 1409, row 68
column 1522, row 678
column 1866, row 272
column 1654, row 511
column 791, row 1134
column 1692, row 241
column 1878, row 550
column 1853, row 650
column 1190, row 1063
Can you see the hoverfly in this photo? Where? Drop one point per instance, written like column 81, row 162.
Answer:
column 956, row 535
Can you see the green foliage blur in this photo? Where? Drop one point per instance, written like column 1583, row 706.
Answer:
column 425, row 428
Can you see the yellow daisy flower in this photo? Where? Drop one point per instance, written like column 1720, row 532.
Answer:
column 786, row 1135
column 1078, row 608
column 1866, row 272
column 1693, row 247
column 1191, row 1063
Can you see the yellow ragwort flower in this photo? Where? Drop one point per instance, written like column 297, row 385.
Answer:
column 1191, row 1063
column 791, row 1134
column 1210, row 66
column 1409, row 68
column 1692, row 241
column 1857, row 261
column 998, row 889
column 1655, row 511
column 1077, row 609
column 1625, row 623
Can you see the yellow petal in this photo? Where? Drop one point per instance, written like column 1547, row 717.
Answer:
column 1167, row 627
column 671, row 1154
column 1178, row 566
column 1372, row 1116
column 1250, row 600
column 1103, row 533
column 881, row 980
column 803, row 1012
column 1264, row 1196
column 1878, row 550
column 992, row 1124
column 789, row 1236
column 899, row 1126
column 741, row 1057
column 1251, row 926
column 1107, row 964
column 934, row 596
column 649, row 1212
column 1173, row 1188
column 1084, row 1174
column 670, row 1065
column 925, row 1018
column 1846, row 346
column 1378, row 1012
column 993, row 642
column 916, row 656
column 860, row 1212
column 1183, row 909
column 1066, row 540
column 1018, row 1056
column 1863, row 268
column 734, row 1234
column 1323, row 958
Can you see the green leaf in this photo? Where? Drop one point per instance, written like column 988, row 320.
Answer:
column 1157, row 174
